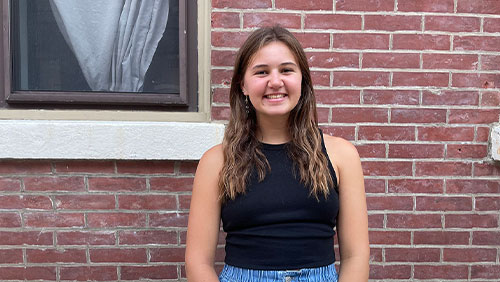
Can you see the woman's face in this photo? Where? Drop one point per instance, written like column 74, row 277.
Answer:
column 273, row 80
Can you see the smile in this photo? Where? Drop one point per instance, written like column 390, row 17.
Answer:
column 275, row 96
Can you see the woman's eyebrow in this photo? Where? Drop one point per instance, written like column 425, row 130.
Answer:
column 265, row 65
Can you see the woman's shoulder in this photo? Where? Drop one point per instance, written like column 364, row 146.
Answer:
column 340, row 147
column 213, row 158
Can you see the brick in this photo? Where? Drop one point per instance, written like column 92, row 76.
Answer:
column 443, row 169
column 361, row 41
column 471, row 220
column 145, row 167
column 333, row 59
column 220, row 113
column 416, row 151
column 389, row 203
column 364, row 5
column 421, row 41
column 109, row 220
column 391, row 60
column 220, row 95
column 476, row 43
column 85, row 202
column 184, row 202
column 374, row 185
column 225, row 20
column 467, row 151
column 412, row 255
column 418, row 115
column 25, row 202
column 87, row 273
column 475, row 116
column 490, row 62
column 392, row 23
column 26, row 238
column 323, row 114
column 375, row 255
column 222, row 77
column 371, row 150
column 441, row 238
column 320, row 78
column 472, row 186
column 491, row 25
column 486, row 238
column 447, row 203
column 228, row 39
column 452, row 24
column 353, row 115
column 73, row 184
column 392, row 97
column 450, row 98
column 483, row 134
column 10, row 220
column 346, row 132
column 441, row 271
column 24, row 167
column 10, row 184
column 478, row 7
column 414, row 221
column 440, row 133
column 445, row 6
column 392, row 168
column 147, row 202
column 28, row 273
column 491, row 99
column 333, row 21
column 118, row 255
column 486, row 169
column 11, row 256
column 332, row 97
column 477, row 80
column 485, row 271
column 487, row 203
column 375, row 221
column 360, row 78
column 286, row 20
column 240, row 4
column 393, row 133
column 469, row 255
column 167, row 255
column 415, row 186
column 115, row 184
column 223, row 58
column 85, row 166
column 168, row 219
column 390, row 271
column 390, row 237
column 85, row 238
column 56, row 256
column 171, row 184
column 313, row 40
column 450, row 61
column 52, row 219
column 425, row 79
column 147, row 237
column 149, row 272
column 304, row 5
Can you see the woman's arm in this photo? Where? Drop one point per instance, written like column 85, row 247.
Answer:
column 204, row 219
column 352, row 221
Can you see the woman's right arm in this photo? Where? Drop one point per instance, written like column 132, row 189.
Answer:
column 204, row 219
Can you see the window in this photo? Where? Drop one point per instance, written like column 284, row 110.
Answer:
column 100, row 54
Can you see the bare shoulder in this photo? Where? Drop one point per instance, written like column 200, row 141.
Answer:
column 340, row 149
column 213, row 158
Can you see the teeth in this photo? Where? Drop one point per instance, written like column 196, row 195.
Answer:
column 275, row 96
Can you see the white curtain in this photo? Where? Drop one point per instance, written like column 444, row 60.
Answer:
column 113, row 40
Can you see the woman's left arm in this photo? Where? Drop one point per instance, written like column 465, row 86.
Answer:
column 352, row 221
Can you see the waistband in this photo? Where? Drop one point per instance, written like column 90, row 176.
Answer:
column 237, row 274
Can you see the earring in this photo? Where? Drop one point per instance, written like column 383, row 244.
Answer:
column 247, row 108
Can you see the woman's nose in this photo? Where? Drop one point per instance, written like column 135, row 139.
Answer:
column 275, row 80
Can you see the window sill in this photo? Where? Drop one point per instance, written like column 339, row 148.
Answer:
column 136, row 140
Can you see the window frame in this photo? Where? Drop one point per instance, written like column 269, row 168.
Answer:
column 189, row 99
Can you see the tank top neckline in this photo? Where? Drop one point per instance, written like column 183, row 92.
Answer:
column 267, row 146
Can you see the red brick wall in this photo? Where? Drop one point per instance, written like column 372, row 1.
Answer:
column 413, row 85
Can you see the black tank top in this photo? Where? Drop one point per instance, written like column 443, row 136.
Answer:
column 277, row 225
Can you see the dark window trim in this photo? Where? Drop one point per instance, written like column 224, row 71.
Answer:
column 186, row 101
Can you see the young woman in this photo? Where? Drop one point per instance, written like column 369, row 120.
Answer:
column 279, row 185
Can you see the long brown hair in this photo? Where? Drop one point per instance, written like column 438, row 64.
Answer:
column 242, row 149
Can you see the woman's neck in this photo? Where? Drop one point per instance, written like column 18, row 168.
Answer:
column 273, row 130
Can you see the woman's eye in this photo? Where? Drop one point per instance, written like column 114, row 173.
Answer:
column 287, row 70
column 260, row 72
